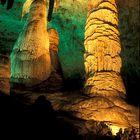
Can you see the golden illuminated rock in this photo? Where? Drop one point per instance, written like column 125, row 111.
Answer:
column 102, row 49
column 55, row 80
column 4, row 74
column 54, row 41
column 102, row 65
column 57, row 5
column 30, row 58
column 108, row 84
column 26, row 7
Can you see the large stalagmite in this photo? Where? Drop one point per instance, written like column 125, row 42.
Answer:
column 102, row 65
column 102, row 50
column 30, row 58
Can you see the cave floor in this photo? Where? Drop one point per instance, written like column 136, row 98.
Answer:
column 78, row 109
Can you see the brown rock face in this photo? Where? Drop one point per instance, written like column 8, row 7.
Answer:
column 30, row 58
column 4, row 74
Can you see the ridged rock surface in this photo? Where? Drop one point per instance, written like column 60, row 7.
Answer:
column 102, row 50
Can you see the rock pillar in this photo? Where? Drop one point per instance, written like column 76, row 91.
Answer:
column 102, row 50
column 30, row 58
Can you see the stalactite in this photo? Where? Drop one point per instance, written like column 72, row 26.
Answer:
column 30, row 58
column 51, row 5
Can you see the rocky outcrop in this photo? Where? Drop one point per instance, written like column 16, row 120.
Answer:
column 4, row 74
column 30, row 58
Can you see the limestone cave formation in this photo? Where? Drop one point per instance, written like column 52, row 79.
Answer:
column 70, row 69
column 30, row 58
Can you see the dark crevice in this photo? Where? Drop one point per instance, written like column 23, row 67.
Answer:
column 104, row 22
column 90, row 38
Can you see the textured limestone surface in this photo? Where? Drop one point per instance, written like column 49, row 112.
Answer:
column 102, row 50
column 30, row 57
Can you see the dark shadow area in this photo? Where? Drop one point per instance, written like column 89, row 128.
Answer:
column 132, row 89
column 130, row 54
column 73, row 84
column 39, row 121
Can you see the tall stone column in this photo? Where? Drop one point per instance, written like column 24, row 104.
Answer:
column 30, row 58
column 102, row 65
column 102, row 50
